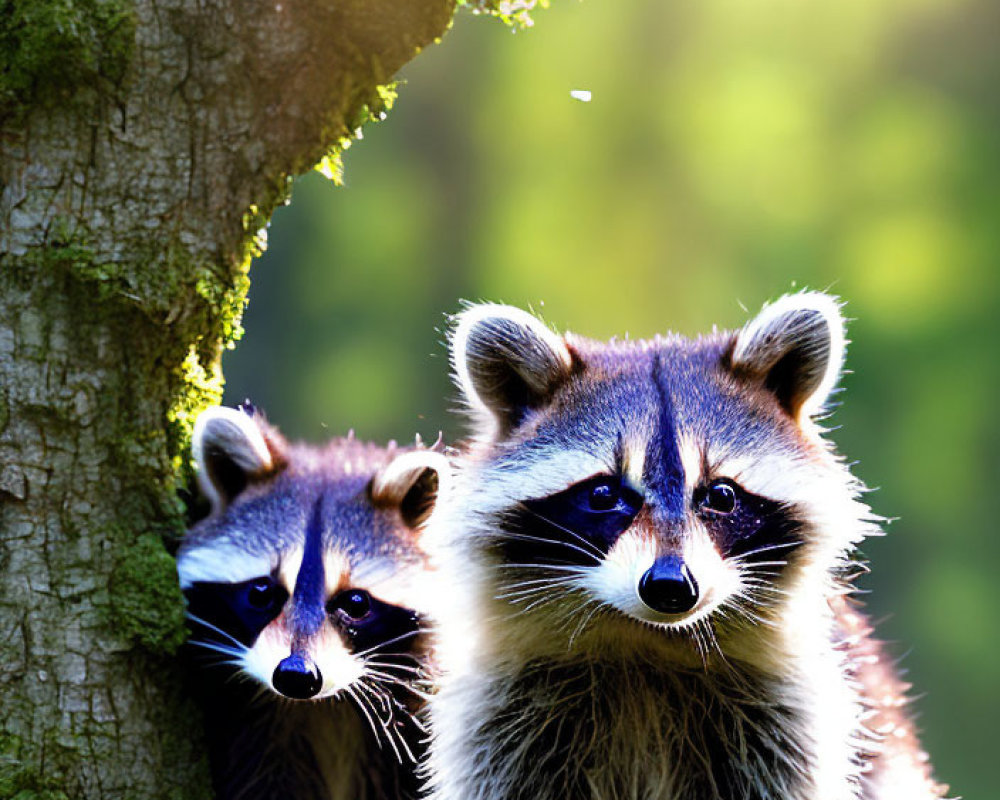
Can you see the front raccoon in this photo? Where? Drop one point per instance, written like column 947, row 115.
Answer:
column 651, row 548
column 303, row 589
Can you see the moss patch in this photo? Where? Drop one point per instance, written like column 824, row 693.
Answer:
column 50, row 48
column 146, row 602
column 372, row 109
column 17, row 781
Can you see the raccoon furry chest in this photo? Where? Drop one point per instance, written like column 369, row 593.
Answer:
column 630, row 731
column 306, row 751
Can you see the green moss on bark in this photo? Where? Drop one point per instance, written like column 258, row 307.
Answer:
column 18, row 782
column 146, row 603
column 51, row 48
column 372, row 108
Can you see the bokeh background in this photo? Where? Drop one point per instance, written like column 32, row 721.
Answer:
column 733, row 150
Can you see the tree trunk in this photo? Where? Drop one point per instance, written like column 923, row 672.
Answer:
column 142, row 145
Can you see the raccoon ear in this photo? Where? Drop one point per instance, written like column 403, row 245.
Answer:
column 231, row 448
column 506, row 363
column 796, row 346
column 413, row 482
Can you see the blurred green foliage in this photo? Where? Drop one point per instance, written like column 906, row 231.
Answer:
column 732, row 151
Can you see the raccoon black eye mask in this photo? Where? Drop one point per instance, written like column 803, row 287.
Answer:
column 575, row 526
column 648, row 546
column 584, row 521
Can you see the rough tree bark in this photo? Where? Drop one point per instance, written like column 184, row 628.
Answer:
column 142, row 144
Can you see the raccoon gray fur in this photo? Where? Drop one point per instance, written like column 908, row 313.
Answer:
column 649, row 548
column 304, row 589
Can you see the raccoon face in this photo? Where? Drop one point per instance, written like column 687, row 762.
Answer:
column 676, row 483
column 305, row 576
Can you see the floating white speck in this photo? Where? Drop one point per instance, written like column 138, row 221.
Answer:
column 583, row 95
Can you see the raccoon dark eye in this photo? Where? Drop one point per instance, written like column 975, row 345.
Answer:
column 603, row 496
column 261, row 593
column 354, row 604
column 719, row 497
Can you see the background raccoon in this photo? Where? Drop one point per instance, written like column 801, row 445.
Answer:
column 651, row 549
column 303, row 589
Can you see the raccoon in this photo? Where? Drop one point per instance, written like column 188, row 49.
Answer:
column 304, row 589
column 649, row 549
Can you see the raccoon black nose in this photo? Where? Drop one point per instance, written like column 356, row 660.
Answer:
column 297, row 678
column 668, row 586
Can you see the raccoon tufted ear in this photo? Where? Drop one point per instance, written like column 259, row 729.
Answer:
column 506, row 363
column 413, row 482
column 796, row 346
column 231, row 448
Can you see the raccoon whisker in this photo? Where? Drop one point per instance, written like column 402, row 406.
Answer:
column 217, row 647
column 521, row 590
column 699, row 643
column 717, row 647
column 542, row 599
column 764, row 549
column 764, row 595
column 598, row 608
column 415, row 722
column 527, row 537
column 547, row 597
column 405, row 746
column 544, row 587
column 384, row 723
column 750, row 579
column 536, row 582
column 742, row 607
column 381, row 697
column 386, row 643
column 384, row 677
column 554, row 567
column 764, row 589
column 392, row 665
column 568, row 619
column 758, row 564
column 419, row 685
column 392, row 659
column 364, row 694
column 195, row 618
column 590, row 547
column 361, row 701
column 223, row 662
column 420, row 695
